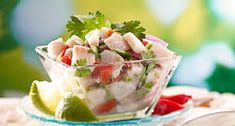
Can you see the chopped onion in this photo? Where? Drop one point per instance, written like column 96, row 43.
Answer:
column 155, row 39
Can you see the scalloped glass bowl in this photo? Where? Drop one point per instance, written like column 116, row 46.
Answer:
column 133, row 99
column 46, row 120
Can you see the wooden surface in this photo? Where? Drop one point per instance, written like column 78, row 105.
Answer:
column 10, row 115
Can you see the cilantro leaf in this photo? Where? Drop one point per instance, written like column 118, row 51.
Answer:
column 149, row 46
column 96, row 51
column 148, row 85
column 125, row 55
column 81, row 62
column 81, row 26
column 83, row 72
column 130, row 26
column 141, row 92
column 147, row 55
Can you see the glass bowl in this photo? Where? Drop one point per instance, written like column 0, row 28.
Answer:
column 46, row 120
column 134, row 87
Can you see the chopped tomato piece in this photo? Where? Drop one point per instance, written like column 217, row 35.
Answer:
column 110, row 32
column 64, row 50
column 103, row 73
column 117, row 78
column 144, row 43
column 66, row 60
column 165, row 106
column 180, row 98
column 105, row 107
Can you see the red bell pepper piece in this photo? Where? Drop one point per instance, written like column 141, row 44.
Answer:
column 165, row 106
column 180, row 98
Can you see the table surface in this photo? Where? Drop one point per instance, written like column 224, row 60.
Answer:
column 10, row 115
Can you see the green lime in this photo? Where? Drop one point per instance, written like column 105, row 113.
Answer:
column 72, row 108
column 45, row 96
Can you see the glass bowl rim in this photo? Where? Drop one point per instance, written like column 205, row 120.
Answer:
column 39, row 50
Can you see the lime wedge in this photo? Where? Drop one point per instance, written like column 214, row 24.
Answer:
column 45, row 96
column 72, row 108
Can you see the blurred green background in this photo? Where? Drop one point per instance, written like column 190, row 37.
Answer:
column 203, row 31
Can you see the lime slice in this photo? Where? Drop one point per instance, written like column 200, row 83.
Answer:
column 45, row 96
column 72, row 108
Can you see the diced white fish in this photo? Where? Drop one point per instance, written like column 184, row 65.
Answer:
column 163, row 54
column 69, row 52
column 135, row 70
column 135, row 44
column 85, row 82
column 112, row 57
column 161, row 51
column 134, row 73
column 74, row 40
column 96, row 97
column 55, row 47
column 121, row 89
column 93, row 37
column 133, row 106
column 116, row 42
column 82, row 52
column 104, row 32
column 153, row 76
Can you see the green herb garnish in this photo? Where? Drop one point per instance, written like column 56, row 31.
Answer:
column 149, row 46
column 150, row 67
column 148, row 85
column 81, row 26
column 148, row 55
column 125, row 55
column 141, row 92
column 96, row 51
column 81, row 62
column 127, row 78
column 109, row 94
column 83, row 70
column 130, row 26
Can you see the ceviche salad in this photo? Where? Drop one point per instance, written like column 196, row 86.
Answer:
column 103, row 68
